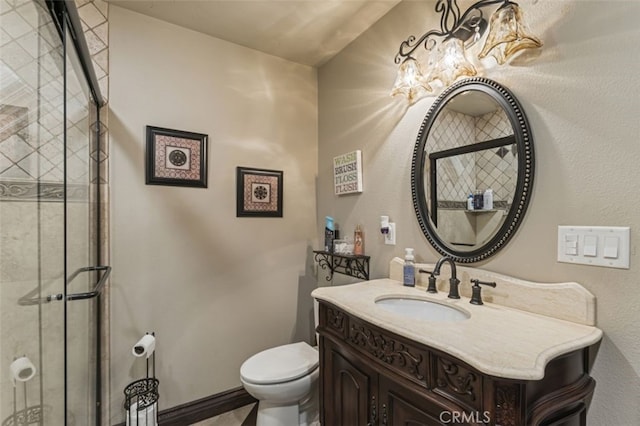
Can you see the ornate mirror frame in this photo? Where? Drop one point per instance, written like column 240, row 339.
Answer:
column 526, row 163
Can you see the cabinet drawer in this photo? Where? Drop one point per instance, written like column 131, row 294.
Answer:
column 397, row 354
column 457, row 382
column 333, row 321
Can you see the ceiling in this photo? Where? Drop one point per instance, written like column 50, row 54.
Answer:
column 309, row 32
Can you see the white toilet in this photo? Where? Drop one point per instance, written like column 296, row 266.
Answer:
column 284, row 380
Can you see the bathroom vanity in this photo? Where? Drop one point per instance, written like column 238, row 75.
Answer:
column 395, row 355
column 497, row 364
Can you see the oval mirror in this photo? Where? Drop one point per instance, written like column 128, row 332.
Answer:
column 474, row 142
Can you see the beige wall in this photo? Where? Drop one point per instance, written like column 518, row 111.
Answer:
column 215, row 288
column 580, row 98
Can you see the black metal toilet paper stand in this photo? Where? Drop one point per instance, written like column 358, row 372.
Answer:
column 141, row 395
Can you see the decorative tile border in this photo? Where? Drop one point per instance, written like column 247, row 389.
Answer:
column 47, row 192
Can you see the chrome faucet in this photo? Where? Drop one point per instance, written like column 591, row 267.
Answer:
column 454, row 282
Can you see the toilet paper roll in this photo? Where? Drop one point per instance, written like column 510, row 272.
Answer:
column 145, row 417
column 145, row 346
column 22, row 370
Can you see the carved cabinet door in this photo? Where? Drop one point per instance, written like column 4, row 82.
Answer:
column 349, row 389
column 402, row 406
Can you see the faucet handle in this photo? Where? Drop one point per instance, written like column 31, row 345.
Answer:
column 431, row 288
column 476, row 296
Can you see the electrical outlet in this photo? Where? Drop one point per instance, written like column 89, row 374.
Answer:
column 390, row 237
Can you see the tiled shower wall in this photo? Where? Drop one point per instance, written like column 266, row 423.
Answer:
column 31, row 182
column 495, row 169
column 25, row 158
column 95, row 24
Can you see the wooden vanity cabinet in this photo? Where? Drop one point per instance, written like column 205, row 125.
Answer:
column 370, row 376
column 350, row 387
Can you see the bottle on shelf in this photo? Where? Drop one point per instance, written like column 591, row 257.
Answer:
column 329, row 234
column 488, row 199
column 478, row 200
column 358, row 241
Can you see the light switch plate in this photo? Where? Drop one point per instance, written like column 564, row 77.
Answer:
column 606, row 246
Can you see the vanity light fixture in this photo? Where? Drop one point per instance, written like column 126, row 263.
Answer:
column 446, row 48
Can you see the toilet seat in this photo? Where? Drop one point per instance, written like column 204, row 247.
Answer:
column 280, row 364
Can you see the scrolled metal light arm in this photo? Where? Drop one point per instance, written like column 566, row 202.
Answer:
column 452, row 24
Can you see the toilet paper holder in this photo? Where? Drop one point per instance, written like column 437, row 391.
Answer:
column 21, row 371
column 146, row 346
column 141, row 396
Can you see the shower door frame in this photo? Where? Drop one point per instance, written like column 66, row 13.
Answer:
column 65, row 16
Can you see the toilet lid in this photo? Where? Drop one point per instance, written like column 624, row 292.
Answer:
column 280, row 364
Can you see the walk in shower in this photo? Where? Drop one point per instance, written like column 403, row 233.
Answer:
column 50, row 272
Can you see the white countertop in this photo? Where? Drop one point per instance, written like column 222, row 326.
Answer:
column 497, row 340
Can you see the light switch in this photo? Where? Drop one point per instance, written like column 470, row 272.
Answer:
column 611, row 247
column 571, row 244
column 590, row 246
column 606, row 246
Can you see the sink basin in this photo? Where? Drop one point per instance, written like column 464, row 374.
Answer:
column 422, row 309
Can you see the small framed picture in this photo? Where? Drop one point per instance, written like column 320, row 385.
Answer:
column 259, row 192
column 176, row 157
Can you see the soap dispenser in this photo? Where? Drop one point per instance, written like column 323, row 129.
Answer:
column 409, row 270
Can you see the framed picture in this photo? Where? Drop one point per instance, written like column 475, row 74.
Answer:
column 176, row 157
column 259, row 192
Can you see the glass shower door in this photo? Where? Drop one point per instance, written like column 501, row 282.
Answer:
column 81, row 217
column 49, row 215
column 32, row 235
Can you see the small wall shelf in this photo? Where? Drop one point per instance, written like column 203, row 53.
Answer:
column 480, row 211
column 347, row 264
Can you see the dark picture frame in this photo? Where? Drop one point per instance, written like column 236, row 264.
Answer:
column 258, row 192
column 176, row 157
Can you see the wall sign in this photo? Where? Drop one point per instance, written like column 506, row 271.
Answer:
column 347, row 173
